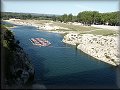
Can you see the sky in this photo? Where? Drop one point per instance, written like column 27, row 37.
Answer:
column 59, row 7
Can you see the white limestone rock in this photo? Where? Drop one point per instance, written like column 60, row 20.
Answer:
column 104, row 48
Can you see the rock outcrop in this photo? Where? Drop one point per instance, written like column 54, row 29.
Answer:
column 104, row 48
column 21, row 68
column 18, row 70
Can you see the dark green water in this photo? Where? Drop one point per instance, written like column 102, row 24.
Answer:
column 61, row 65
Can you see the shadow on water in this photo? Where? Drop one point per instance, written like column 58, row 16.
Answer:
column 71, row 46
column 118, row 76
column 86, row 79
column 39, row 74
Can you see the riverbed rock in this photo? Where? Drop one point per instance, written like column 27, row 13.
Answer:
column 104, row 48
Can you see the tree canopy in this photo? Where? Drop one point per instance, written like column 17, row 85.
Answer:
column 93, row 17
column 85, row 17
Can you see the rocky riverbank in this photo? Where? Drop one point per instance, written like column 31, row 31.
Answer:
column 104, row 48
column 18, row 70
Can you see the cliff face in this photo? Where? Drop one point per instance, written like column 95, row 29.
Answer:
column 104, row 48
column 18, row 71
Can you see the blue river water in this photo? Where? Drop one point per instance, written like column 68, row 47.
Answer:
column 62, row 65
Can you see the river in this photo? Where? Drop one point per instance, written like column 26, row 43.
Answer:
column 61, row 65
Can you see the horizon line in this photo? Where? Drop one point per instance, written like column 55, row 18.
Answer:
column 54, row 14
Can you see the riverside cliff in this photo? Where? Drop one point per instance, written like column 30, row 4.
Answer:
column 104, row 48
column 18, row 72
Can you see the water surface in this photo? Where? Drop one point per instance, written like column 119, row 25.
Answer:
column 61, row 64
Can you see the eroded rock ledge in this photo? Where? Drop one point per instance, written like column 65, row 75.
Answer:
column 104, row 48
column 18, row 70
column 21, row 69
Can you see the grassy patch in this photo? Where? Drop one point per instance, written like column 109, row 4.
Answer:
column 42, row 21
column 103, row 32
column 7, row 25
column 73, row 27
column 78, row 28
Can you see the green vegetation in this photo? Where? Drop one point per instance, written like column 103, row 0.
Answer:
column 8, row 52
column 7, row 25
column 24, row 16
column 42, row 22
column 10, row 47
column 14, row 61
column 73, row 27
column 92, row 17
column 85, row 29
column 102, row 32
column 85, row 17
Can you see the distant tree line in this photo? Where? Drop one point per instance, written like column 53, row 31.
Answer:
column 92, row 17
column 85, row 17
column 8, row 15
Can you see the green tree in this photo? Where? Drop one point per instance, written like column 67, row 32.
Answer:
column 29, row 16
column 95, row 17
column 85, row 17
column 54, row 18
column 64, row 18
column 70, row 17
